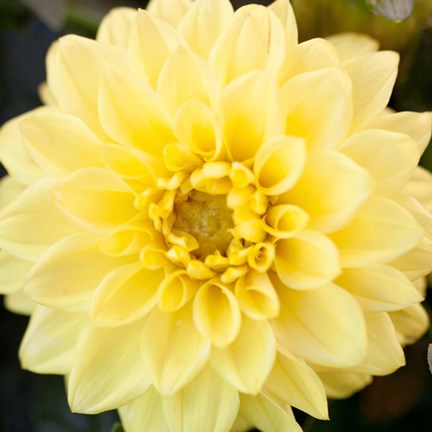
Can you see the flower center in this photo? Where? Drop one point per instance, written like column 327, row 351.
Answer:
column 208, row 219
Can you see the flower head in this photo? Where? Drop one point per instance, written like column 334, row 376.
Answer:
column 215, row 222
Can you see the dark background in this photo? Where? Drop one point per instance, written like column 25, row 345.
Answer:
column 37, row 403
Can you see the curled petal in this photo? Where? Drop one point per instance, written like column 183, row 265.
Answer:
column 284, row 221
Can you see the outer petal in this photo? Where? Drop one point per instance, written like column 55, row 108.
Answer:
column 246, row 363
column 32, row 222
column 324, row 326
column 294, row 383
column 284, row 11
column 49, row 342
column 254, row 39
column 204, row 22
column 13, row 272
column 267, row 415
column 172, row 349
column 68, row 273
column 411, row 323
column 342, row 383
column 373, row 76
column 207, row 403
column 108, row 370
column 350, row 45
column 19, row 303
column 330, row 190
column 381, row 231
column 144, row 413
column 379, row 288
column 172, row 12
column 115, row 27
column 10, row 188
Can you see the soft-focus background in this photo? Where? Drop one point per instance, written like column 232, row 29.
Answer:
column 35, row 403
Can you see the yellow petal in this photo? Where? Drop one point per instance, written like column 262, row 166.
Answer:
column 131, row 113
column 294, row 383
column 19, row 303
column 250, row 114
column 384, row 354
column 330, row 190
column 278, row 164
column 267, row 415
column 204, row 22
column 15, row 156
column 197, row 130
column 49, row 342
column 318, row 107
column 60, row 143
column 253, row 39
column 32, row 222
column 420, row 187
column 10, row 188
column 150, row 43
column 350, row 45
column 379, row 288
column 173, row 351
column 115, row 28
column 75, row 72
column 307, row 260
column 108, row 370
column 144, row 413
column 13, row 272
column 284, row 11
column 342, row 383
column 207, row 403
column 97, row 197
column 373, row 76
column 216, row 314
column 394, row 158
column 410, row 323
column 380, row 232
column 245, row 364
column 54, row 280
column 416, row 125
column 170, row 11
column 284, row 221
column 324, row 326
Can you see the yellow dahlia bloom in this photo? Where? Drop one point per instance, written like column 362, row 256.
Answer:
column 214, row 222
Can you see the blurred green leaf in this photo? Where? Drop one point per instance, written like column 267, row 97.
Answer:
column 394, row 10
column 117, row 427
column 51, row 12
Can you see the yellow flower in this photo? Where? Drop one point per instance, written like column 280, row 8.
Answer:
column 215, row 223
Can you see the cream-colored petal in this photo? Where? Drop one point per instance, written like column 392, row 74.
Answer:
column 350, row 45
column 144, row 413
column 266, row 415
column 204, row 22
column 207, row 403
column 373, row 76
column 384, row 354
column 172, row 11
column 395, row 156
column 184, row 77
column 331, row 189
column 250, row 114
column 317, row 106
column 131, row 112
column 68, row 273
column 420, row 187
column 108, row 370
column 60, row 143
column 342, row 383
column 97, row 197
column 19, row 303
column 306, row 260
column 284, row 11
column 416, row 125
column 410, row 323
column 253, row 39
column 172, row 349
column 125, row 295
column 49, row 342
column 278, row 164
column 10, row 188
column 379, row 288
column 15, row 156
column 32, row 222
column 150, row 43
column 325, row 326
column 241, row 425
column 216, row 314
column 75, row 72
column 380, row 232
column 245, row 364
column 176, row 290
column 294, row 383
column 115, row 28
column 13, row 272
